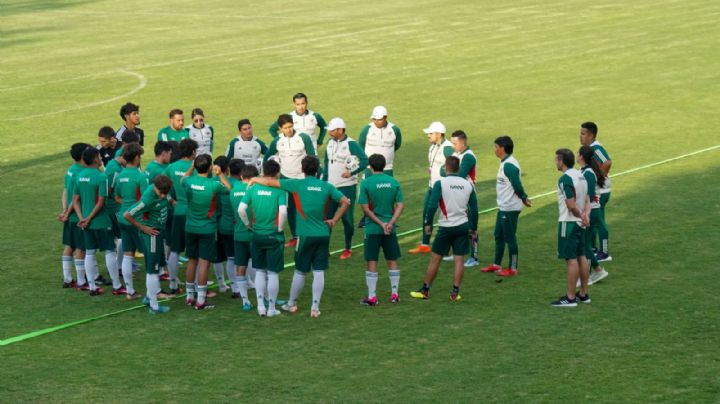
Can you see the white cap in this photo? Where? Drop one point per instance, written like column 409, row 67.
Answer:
column 335, row 123
column 435, row 127
column 379, row 112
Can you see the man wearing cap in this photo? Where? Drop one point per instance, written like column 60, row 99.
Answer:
column 381, row 137
column 344, row 159
column 440, row 149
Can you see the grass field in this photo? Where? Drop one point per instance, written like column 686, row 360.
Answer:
column 645, row 71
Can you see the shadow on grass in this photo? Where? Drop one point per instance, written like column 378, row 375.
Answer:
column 31, row 6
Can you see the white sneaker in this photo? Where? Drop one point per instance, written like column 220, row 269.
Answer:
column 471, row 262
column 223, row 288
column 448, row 258
column 314, row 313
column 262, row 312
column 288, row 308
column 273, row 313
column 596, row 277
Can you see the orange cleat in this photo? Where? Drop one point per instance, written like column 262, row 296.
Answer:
column 491, row 268
column 345, row 254
column 420, row 249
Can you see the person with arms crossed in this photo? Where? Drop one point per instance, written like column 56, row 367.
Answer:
column 223, row 261
column 595, row 181
column 130, row 114
column 304, row 121
column 108, row 144
column 242, row 173
column 588, row 137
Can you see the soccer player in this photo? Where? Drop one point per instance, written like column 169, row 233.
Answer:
column 344, row 159
column 268, row 209
column 176, row 171
column 130, row 114
column 128, row 187
column 73, row 245
column 440, row 149
column 201, row 226
column 314, row 227
column 163, row 152
column 595, row 180
column 89, row 194
column 289, row 149
column 574, row 209
column 588, row 137
column 247, row 146
column 242, row 173
column 457, row 200
column 174, row 131
column 148, row 216
column 202, row 133
column 223, row 261
column 511, row 197
column 382, row 201
column 108, row 144
column 304, row 121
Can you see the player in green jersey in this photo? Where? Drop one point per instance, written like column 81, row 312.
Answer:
column 174, row 131
column 223, row 261
column 163, row 152
column 242, row 173
column 596, row 180
column 588, row 137
column 381, row 200
column 148, row 216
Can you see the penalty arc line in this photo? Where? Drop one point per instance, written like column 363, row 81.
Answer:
column 49, row 330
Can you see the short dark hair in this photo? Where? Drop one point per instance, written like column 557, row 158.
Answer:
column 310, row 166
column 222, row 161
column 452, row 164
column 236, row 166
column 131, row 151
column 129, row 136
column 175, row 156
column 590, row 127
column 377, row 162
column 243, row 122
column 588, row 155
column 77, row 149
column 197, row 111
column 106, row 132
column 271, row 168
column 283, row 119
column 248, row 171
column 162, row 146
column 460, row 135
column 203, row 163
column 506, row 143
column 89, row 155
column 299, row 96
column 127, row 109
column 175, row 111
column 163, row 183
column 187, row 147
column 566, row 156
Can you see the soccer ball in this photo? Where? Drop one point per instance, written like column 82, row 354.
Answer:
column 352, row 163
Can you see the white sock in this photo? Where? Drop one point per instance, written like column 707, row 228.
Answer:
column 80, row 270
column 118, row 253
column 152, row 281
column 232, row 275
column 202, row 293
column 67, row 261
column 190, row 290
column 127, row 266
column 173, row 270
column 273, row 287
column 242, row 286
column 112, row 267
column 260, row 284
column 298, row 283
column 394, row 280
column 250, row 273
column 91, row 268
column 219, row 273
column 317, row 288
column 371, row 279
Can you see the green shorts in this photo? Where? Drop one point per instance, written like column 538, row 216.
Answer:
column 268, row 252
column 154, row 252
column 242, row 253
column 311, row 253
column 389, row 244
column 225, row 247
column 73, row 236
column 177, row 236
column 202, row 246
column 99, row 239
column 456, row 237
column 115, row 223
column 571, row 240
column 131, row 240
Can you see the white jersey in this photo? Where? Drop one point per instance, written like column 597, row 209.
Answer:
column 436, row 160
column 337, row 153
column 308, row 124
column 381, row 141
column 204, row 137
column 601, row 155
column 594, row 202
column 573, row 179
column 507, row 199
column 456, row 194
column 249, row 151
column 290, row 152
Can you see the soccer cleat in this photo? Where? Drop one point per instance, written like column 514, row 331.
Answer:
column 507, row 272
column 134, row 296
column 247, row 307
column 292, row 243
column 204, row 306
column 97, row 292
column 472, row 262
column 235, row 295
column 160, row 310
column 273, row 313
column 119, row 291
column 420, row 294
column 491, row 268
column 138, row 254
column 581, row 299
column 603, row 257
column 182, row 258
column 71, row 284
column 262, row 312
column 394, row 298
column 280, row 302
column 173, row 292
column 223, row 288
column 146, row 301
column 102, row 281
column 564, row 301
column 455, row 297
column 345, row 254
column 314, row 313
column 189, row 301
column 210, row 294
column 165, row 277
column 420, row 249
column 371, row 301
column 449, row 258
column 82, row 288
column 289, row 309
column 597, row 276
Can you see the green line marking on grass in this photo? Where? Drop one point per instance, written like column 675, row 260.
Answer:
column 49, row 330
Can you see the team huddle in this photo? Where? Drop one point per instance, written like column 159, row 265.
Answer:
column 230, row 213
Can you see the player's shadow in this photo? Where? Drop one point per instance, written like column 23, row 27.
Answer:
column 46, row 162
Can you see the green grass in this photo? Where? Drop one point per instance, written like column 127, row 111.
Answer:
column 645, row 71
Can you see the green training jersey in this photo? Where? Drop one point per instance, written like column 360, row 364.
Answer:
column 226, row 223
column 112, row 169
column 380, row 192
column 91, row 184
column 169, row 134
column 151, row 210
column 312, row 198
column 602, row 156
column 176, row 171
column 241, row 232
column 154, row 169
column 70, row 176
column 264, row 208
column 202, row 194
column 129, row 186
